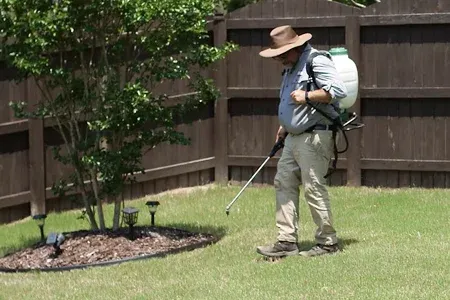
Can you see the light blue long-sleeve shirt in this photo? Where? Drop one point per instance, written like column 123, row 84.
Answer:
column 297, row 118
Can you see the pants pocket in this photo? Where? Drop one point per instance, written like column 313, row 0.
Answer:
column 322, row 142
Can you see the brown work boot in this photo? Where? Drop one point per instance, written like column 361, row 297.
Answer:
column 320, row 250
column 280, row 248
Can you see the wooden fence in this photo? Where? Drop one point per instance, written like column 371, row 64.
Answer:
column 401, row 48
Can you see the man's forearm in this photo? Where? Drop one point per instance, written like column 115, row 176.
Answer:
column 320, row 96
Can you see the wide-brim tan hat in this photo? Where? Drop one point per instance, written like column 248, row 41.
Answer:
column 284, row 38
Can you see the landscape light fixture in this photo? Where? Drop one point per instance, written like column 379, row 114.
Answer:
column 40, row 221
column 130, row 216
column 56, row 240
column 152, row 207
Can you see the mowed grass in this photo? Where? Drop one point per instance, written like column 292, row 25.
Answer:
column 396, row 246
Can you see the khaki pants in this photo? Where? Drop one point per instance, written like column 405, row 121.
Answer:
column 306, row 157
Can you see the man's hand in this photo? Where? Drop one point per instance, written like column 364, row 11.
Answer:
column 321, row 96
column 281, row 134
column 298, row 96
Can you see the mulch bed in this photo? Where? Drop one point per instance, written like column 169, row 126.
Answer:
column 88, row 247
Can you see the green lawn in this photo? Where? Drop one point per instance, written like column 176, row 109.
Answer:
column 396, row 246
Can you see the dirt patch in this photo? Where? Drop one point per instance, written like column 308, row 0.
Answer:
column 88, row 247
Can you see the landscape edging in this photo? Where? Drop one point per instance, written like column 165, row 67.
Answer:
column 114, row 262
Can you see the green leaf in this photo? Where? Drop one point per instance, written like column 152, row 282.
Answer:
column 103, row 69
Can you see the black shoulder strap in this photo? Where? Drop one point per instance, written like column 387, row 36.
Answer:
column 336, row 121
column 309, row 64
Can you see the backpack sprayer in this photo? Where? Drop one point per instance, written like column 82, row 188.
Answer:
column 349, row 73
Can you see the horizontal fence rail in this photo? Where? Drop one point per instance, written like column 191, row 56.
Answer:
column 339, row 21
column 366, row 163
column 364, row 92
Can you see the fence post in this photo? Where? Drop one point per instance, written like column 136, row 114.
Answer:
column 36, row 154
column 353, row 43
column 221, row 107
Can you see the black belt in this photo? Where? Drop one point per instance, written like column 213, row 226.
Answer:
column 321, row 127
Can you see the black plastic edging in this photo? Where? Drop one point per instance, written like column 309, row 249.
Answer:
column 113, row 262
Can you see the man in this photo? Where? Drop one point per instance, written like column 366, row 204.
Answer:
column 308, row 145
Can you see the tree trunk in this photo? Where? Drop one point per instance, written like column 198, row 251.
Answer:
column 87, row 205
column 116, row 217
column 95, row 187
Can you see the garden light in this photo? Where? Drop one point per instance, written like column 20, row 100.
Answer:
column 152, row 207
column 130, row 216
column 56, row 240
column 40, row 221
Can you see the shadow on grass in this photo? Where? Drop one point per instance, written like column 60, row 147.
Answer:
column 218, row 231
column 25, row 242
column 343, row 242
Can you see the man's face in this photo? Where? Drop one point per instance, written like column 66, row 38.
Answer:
column 288, row 59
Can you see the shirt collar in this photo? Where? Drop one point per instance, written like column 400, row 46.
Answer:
column 301, row 59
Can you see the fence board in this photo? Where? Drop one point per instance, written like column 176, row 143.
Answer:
column 267, row 8
column 441, row 136
column 368, row 58
column 446, row 107
column 256, row 9
column 278, row 8
column 269, row 23
column 419, row 6
column 13, row 127
column 441, row 52
column 14, row 160
column 292, row 8
column 405, row 6
column 10, row 91
column 353, row 42
column 36, row 154
column 53, row 168
column 255, row 61
column 404, row 130
column 443, row 6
